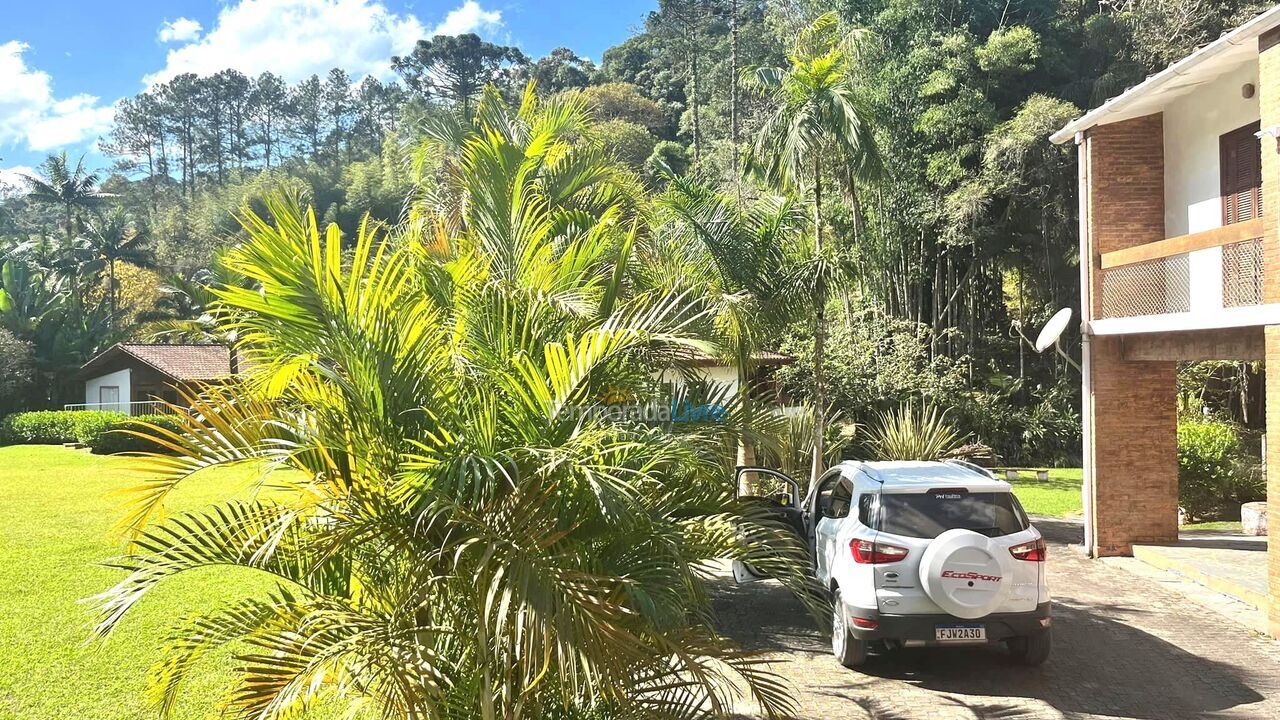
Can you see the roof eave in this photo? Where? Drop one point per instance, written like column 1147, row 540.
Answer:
column 1242, row 34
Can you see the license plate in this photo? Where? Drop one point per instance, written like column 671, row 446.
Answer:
column 960, row 633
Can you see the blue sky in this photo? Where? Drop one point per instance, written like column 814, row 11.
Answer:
column 64, row 63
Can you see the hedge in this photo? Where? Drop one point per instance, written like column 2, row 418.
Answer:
column 113, row 439
column 50, row 427
column 101, row 431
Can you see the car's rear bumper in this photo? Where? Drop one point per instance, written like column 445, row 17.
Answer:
column 916, row 629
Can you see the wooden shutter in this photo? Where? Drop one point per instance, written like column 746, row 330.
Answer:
column 1240, row 153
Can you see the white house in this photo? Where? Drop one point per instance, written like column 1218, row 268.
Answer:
column 136, row 378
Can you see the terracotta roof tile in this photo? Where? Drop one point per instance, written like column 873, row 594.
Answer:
column 180, row 362
column 759, row 357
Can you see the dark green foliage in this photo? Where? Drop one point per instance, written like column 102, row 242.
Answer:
column 103, row 432
column 876, row 362
column 561, row 69
column 16, row 371
column 455, row 68
column 53, row 427
column 116, row 435
column 668, row 158
column 626, row 141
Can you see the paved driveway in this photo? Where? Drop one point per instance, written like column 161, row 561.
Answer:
column 1123, row 647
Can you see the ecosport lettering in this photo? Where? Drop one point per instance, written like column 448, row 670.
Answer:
column 970, row 576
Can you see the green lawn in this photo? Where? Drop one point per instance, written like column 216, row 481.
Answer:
column 1059, row 496
column 58, row 507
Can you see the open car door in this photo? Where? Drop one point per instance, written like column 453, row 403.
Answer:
column 780, row 500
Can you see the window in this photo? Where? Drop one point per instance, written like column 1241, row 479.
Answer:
column 867, row 509
column 109, row 394
column 931, row 513
column 841, row 498
column 1240, row 155
column 826, row 492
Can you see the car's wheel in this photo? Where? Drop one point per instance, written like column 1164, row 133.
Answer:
column 849, row 650
column 1030, row 650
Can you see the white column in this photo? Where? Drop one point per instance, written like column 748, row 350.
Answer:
column 1206, row 280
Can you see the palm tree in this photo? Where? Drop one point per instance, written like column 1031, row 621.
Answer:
column 816, row 126
column 576, row 179
column 463, row 538
column 186, row 310
column 74, row 190
column 114, row 237
column 733, row 258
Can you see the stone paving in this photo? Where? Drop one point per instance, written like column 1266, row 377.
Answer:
column 1124, row 647
column 1231, row 563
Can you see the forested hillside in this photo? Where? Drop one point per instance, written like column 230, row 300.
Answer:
column 938, row 224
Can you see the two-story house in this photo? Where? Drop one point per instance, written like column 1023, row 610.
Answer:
column 1179, row 260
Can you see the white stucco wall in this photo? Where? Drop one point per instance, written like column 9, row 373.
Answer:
column 1192, row 125
column 120, row 379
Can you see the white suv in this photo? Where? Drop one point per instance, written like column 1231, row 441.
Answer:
column 921, row 553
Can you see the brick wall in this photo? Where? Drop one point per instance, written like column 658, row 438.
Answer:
column 1269, row 108
column 1272, row 342
column 1269, row 111
column 1133, row 405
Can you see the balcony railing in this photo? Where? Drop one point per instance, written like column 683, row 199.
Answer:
column 1200, row 273
column 1242, row 273
column 141, row 407
column 1154, row 287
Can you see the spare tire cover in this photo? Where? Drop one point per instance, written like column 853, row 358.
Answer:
column 965, row 573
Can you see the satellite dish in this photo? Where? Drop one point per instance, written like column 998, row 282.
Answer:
column 1053, row 329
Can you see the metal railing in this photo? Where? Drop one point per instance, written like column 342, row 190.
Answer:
column 141, row 407
column 1154, row 287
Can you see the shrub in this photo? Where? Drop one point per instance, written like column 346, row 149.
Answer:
column 1214, row 472
column 909, row 433
column 89, row 425
column 114, row 436
column 101, row 431
column 117, row 438
column 48, row 427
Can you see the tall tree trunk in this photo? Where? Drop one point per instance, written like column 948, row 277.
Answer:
column 819, row 336
column 733, row 93
column 111, row 292
column 267, row 140
column 693, row 101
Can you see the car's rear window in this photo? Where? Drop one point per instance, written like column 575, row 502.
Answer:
column 931, row 513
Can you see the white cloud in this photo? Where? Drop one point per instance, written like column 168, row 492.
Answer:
column 13, row 180
column 298, row 38
column 77, row 118
column 180, row 30
column 469, row 18
column 30, row 112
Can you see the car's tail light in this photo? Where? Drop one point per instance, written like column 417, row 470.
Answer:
column 865, row 623
column 875, row 553
column 1034, row 551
